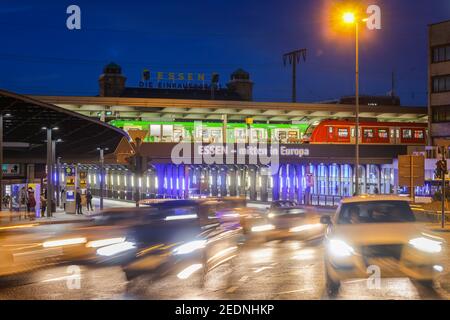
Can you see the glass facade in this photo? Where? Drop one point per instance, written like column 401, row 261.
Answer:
column 323, row 184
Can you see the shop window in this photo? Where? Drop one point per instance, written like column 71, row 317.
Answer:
column 343, row 133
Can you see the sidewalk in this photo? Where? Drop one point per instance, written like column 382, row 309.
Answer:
column 436, row 227
column 60, row 216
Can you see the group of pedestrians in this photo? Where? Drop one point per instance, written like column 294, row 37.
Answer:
column 78, row 201
column 27, row 201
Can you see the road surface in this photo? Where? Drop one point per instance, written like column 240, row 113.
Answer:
column 272, row 270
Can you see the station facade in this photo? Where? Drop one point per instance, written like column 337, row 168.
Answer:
column 307, row 173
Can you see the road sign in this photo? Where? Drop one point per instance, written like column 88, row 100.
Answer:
column 411, row 170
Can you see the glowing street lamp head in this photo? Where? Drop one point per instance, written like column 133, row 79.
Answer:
column 348, row 17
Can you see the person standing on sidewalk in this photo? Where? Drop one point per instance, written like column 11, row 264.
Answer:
column 78, row 202
column 89, row 200
column 31, row 204
column 43, row 204
column 23, row 202
column 63, row 199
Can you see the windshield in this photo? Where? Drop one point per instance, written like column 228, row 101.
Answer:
column 375, row 212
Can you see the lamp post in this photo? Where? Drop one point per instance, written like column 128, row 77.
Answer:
column 49, row 169
column 350, row 18
column 102, row 162
column 6, row 115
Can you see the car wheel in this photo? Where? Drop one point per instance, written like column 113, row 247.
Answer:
column 331, row 285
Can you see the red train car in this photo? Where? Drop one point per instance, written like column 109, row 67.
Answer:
column 343, row 132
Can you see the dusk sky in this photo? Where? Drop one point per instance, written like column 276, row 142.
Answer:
column 39, row 55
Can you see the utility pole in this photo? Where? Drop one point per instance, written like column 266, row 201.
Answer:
column 102, row 176
column 49, row 172
column 294, row 58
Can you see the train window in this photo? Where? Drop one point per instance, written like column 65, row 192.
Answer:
column 155, row 130
column 178, row 134
column 281, row 135
column 343, row 132
column 407, row 133
column 353, row 132
column 330, row 129
column 167, row 130
column 383, row 133
column 418, row 134
column 368, row 133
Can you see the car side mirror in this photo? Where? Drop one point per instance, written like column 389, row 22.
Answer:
column 325, row 220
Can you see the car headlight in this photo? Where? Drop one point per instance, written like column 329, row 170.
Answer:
column 189, row 247
column 339, row 248
column 116, row 248
column 63, row 242
column 306, row 227
column 265, row 227
column 427, row 245
column 104, row 242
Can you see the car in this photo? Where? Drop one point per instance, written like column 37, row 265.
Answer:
column 183, row 237
column 281, row 204
column 380, row 232
column 246, row 217
column 288, row 220
column 164, row 236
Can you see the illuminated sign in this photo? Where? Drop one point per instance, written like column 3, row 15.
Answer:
column 176, row 80
column 11, row 169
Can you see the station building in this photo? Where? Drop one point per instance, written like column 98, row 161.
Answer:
column 183, row 112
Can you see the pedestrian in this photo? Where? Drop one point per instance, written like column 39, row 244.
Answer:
column 31, row 204
column 78, row 202
column 89, row 200
column 23, row 202
column 63, row 198
column 43, row 204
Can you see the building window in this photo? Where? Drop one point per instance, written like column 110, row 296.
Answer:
column 406, row 133
column 343, row 133
column 418, row 134
column 383, row 133
column 441, row 114
column 441, row 83
column 441, row 53
column 368, row 133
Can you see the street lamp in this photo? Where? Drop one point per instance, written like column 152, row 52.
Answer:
column 102, row 162
column 350, row 18
column 2, row 115
column 49, row 169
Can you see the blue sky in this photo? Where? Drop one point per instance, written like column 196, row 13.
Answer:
column 40, row 55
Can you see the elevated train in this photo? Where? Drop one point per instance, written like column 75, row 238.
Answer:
column 324, row 132
column 343, row 132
